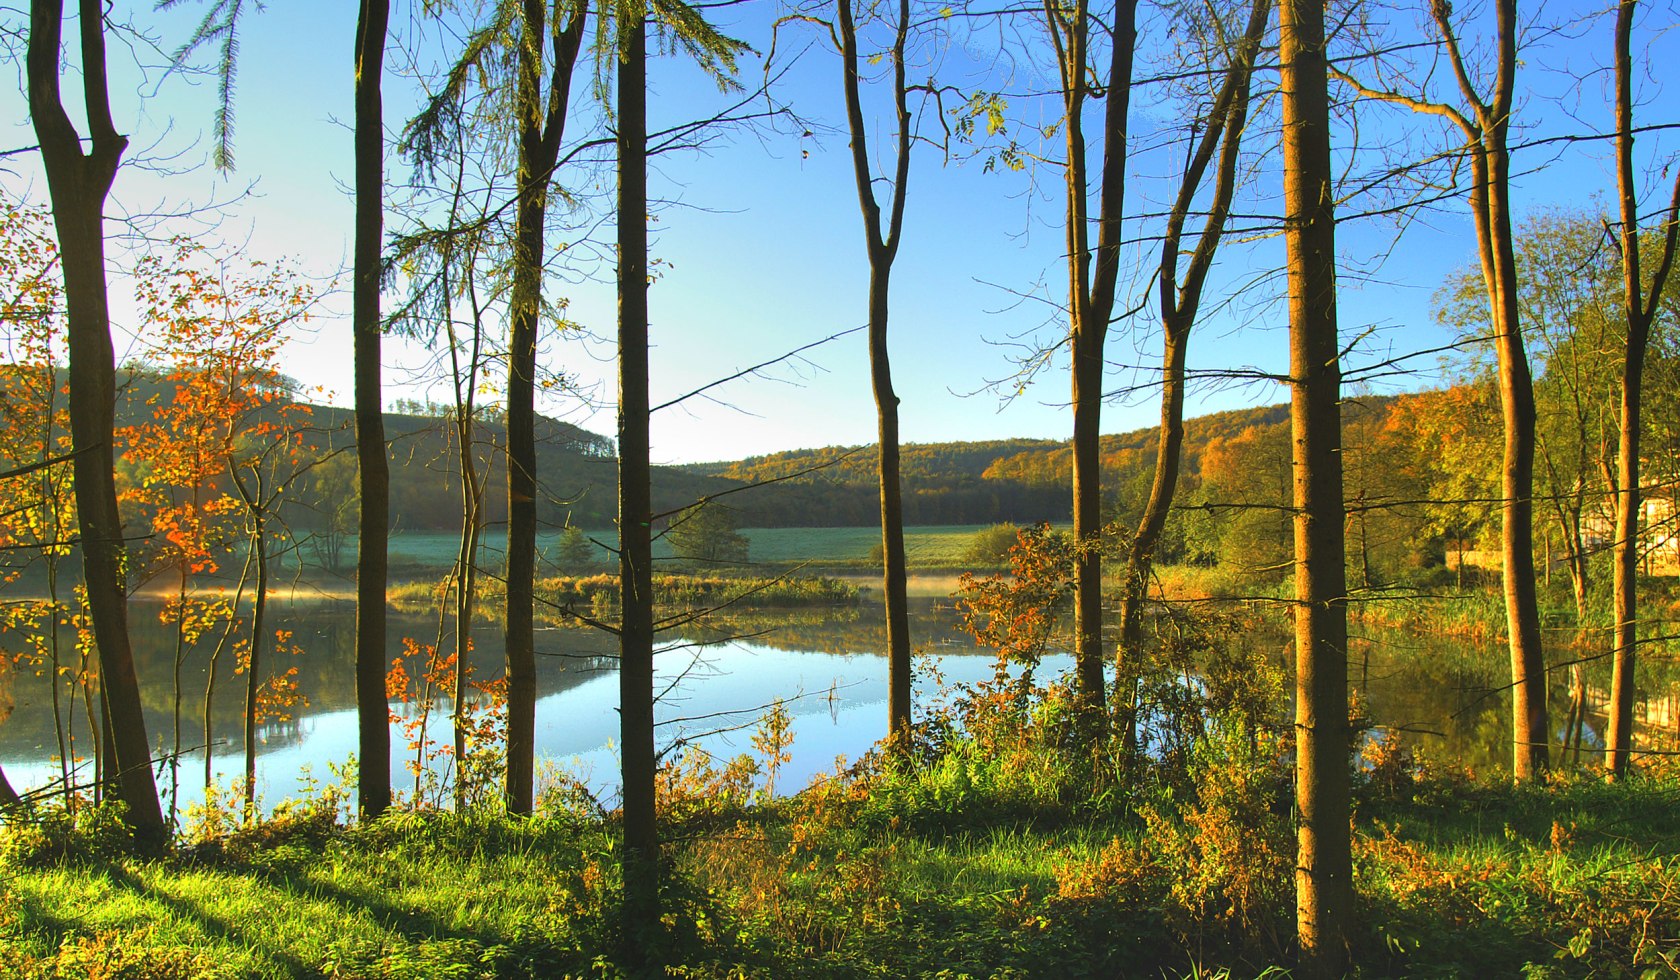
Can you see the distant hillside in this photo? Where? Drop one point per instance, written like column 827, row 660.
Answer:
column 1015, row 480
column 577, row 469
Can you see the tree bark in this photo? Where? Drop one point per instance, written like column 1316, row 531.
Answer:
column 1324, row 866
column 1091, row 286
column 1486, row 124
column 635, row 506
column 1530, row 736
column 1179, row 306
column 1640, row 307
column 373, row 781
column 882, row 246
column 540, row 132
column 79, row 183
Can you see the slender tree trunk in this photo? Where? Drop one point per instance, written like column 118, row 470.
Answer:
column 1486, row 124
column 373, row 781
column 259, row 606
column 466, row 580
column 215, row 662
column 882, row 246
column 1530, row 736
column 1091, row 287
column 79, row 182
column 1324, row 866
column 176, row 697
column 1179, row 306
column 64, row 720
column 1490, row 203
column 894, row 571
column 1640, row 308
column 635, row 507
column 540, row 131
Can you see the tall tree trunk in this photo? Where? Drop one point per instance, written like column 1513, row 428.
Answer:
column 1324, row 865
column 79, row 182
column 1486, row 124
column 882, row 246
column 540, row 131
column 1490, row 199
column 1090, row 305
column 373, row 720
column 1640, row 309
column 1531, row 739
column 635, row 505
column 1179, row 306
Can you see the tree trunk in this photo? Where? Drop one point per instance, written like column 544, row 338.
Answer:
column 882, row 247
column 466, row 568
column 1640, row 309
column 259, row 607
column 79, row 183
column 373, row 719
column 1324, row 867
column 1090, row 305
column 210, row 671
column 540, row 131
column 1531, row 740
column 635, row 507
column 1490, row 203
column 1179, row 305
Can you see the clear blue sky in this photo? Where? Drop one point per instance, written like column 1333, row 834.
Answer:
column 764, row 244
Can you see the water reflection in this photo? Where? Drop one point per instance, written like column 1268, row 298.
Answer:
column 1447, row 696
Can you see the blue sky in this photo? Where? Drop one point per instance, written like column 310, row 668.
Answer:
column 764, row 248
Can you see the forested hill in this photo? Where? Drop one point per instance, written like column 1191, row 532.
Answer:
column 1015, row 480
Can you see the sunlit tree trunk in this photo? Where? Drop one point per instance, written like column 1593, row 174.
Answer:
column 1490, row 199
column 1324, row 865
column 1485, row 124
column 1640, row 306
column 79, row 181
column 373, row 783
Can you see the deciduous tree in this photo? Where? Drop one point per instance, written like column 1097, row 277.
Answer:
column 1484, row 117
column 79, row 181
column 1639, row 302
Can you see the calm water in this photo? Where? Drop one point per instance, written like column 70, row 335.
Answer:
column 827, row 666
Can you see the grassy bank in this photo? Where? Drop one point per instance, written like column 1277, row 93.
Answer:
column 598, row 594
column 883, row 877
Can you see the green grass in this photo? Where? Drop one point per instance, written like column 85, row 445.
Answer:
column 1454, row 878
column 924, row 547
column 941, row 547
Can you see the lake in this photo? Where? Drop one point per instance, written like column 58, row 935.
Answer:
column 1446, row 695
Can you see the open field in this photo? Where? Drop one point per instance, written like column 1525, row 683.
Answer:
column 941, row 547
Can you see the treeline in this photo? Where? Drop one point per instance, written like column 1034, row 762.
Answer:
column 1018, row 481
